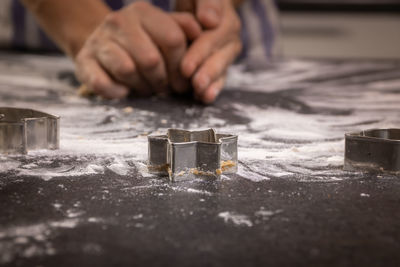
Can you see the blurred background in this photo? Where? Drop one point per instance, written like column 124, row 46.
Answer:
column 361, row 29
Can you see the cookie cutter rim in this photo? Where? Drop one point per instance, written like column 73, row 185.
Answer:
column 183, row 154
column 24, row 129
column 373, row 150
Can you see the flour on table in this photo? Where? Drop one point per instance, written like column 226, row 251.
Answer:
column 292, row 128
column 235, row 218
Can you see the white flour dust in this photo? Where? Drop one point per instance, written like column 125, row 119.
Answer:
column 33, row 240
column 235, row 218
column 266, row 214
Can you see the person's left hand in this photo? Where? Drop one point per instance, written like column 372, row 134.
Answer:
column 209, row 56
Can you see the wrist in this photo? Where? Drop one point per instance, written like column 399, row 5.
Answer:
column 68, row 23
column 76, row 35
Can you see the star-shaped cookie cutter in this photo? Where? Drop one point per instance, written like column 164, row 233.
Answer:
column 183, row 155
column 27, row 129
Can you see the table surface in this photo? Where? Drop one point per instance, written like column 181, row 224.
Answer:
column 93, row 202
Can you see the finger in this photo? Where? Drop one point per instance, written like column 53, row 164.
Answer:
column 188, row 24
column 149, row 60
column 90, row 73
column 141, row 48
column 212, row 92
column 215, row 66
column 199, row 51
column 116, row 61
column 167, row 34
column 208, row 12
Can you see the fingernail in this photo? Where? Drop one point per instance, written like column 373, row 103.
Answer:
column 189, row 69
column 210, row 95
column 120, row 92
column 203, row 81
column 216, row 94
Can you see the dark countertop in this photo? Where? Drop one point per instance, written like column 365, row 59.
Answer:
column 92, row 203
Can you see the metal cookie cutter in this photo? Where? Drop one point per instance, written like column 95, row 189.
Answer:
column 373, row 150
column 26, row 129
column 185, row 154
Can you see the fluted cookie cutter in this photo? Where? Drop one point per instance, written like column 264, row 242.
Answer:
column 183, row 155
column 27, row 129
column 376, row 150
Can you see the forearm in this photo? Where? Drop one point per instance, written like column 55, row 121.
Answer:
column 68, row 23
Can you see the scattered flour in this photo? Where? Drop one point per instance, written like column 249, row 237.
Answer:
column 30, row 240
column 260, row 216
column 94, row 220
column 266, row 214
column 8, row 165
column 235, row 218
column 68, row 223
column 57, row 206
column 247, row 173
column 119, row 167
column 73, row 212
column 298, row 136
column 195, row 191
column 35, row 240
column 138, row 216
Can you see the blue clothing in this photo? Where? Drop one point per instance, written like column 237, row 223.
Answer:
column 259, row 26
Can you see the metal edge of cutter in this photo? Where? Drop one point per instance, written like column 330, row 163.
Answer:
column 183, row 154
column 22, row 130
column 373, row 150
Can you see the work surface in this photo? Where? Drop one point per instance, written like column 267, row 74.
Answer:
column 291, row 204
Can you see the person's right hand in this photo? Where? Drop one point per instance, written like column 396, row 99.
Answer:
column 138, row 47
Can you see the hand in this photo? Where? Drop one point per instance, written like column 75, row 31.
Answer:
column 138, row 47
column 209, row 56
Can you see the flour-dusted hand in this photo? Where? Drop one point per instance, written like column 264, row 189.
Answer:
column 139, row 47
column 209, row 56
